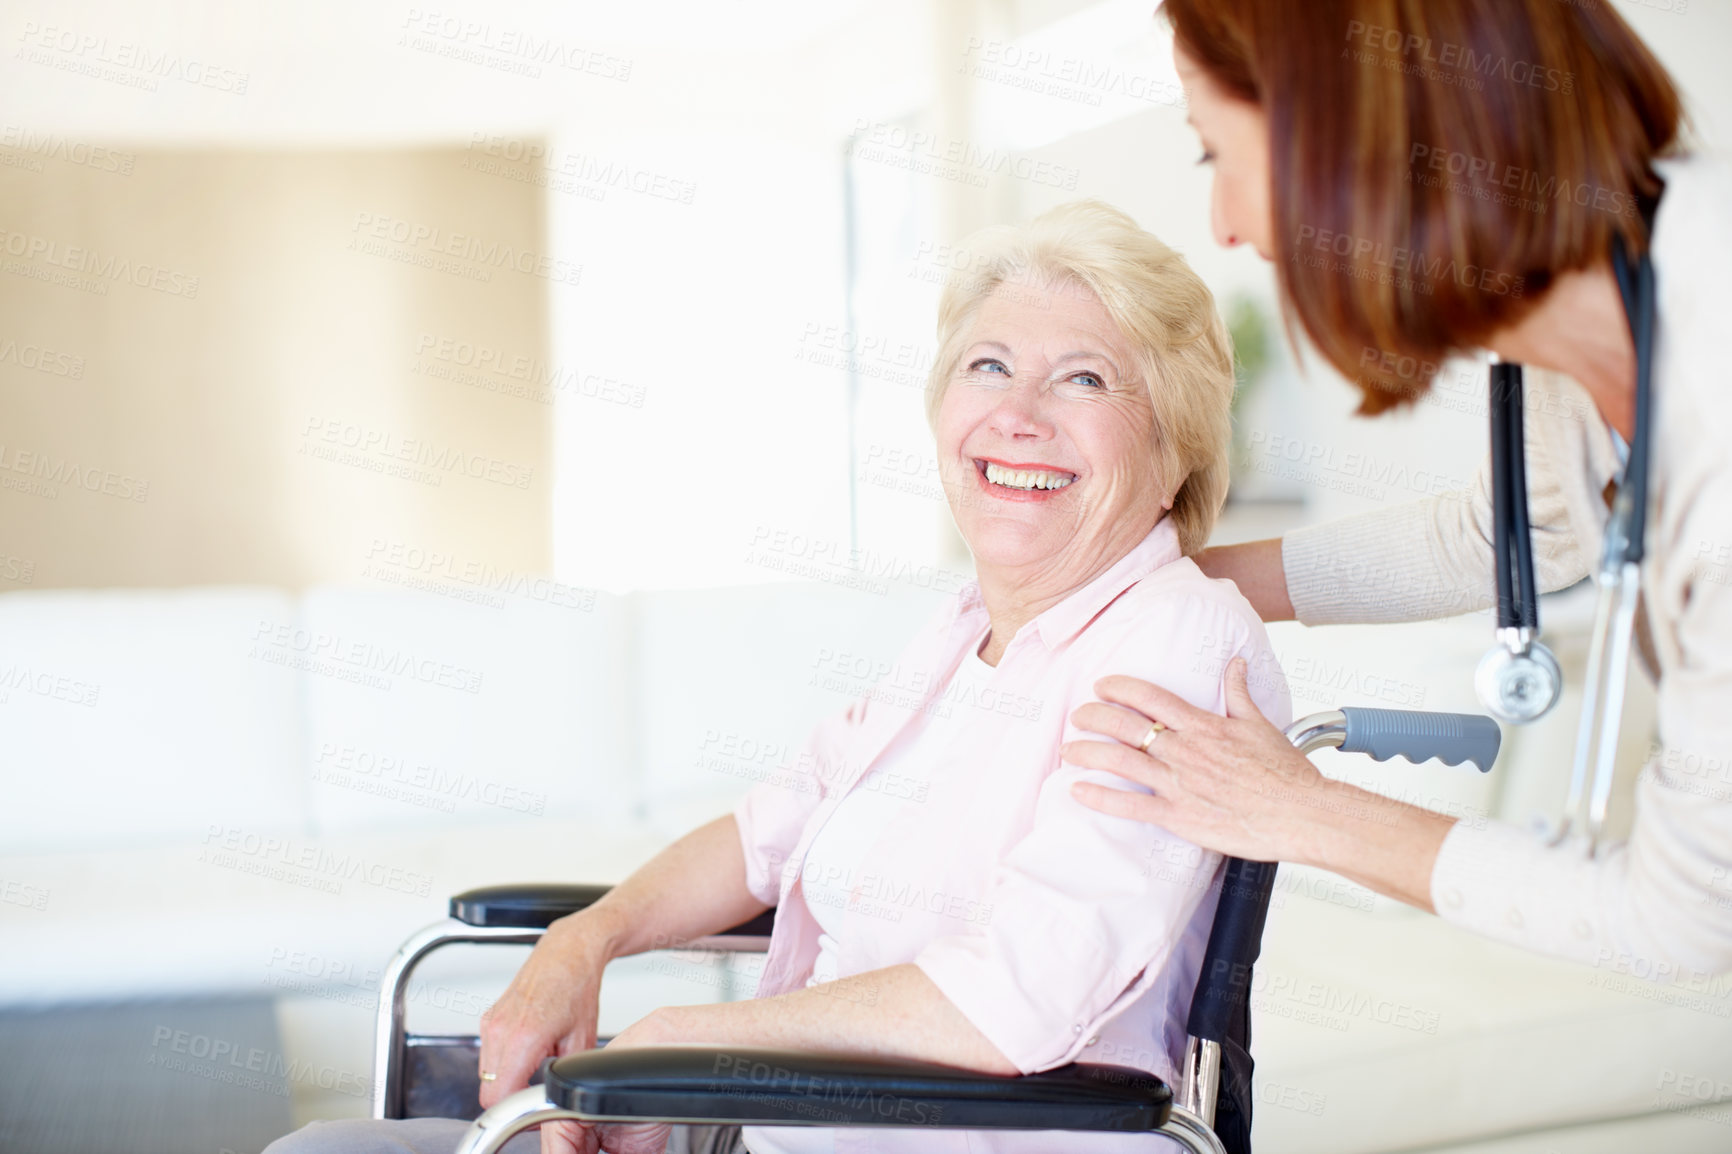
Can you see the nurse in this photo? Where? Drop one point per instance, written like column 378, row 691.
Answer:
column 1439, row 179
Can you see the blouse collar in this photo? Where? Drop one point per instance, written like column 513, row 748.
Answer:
column 1059, row 623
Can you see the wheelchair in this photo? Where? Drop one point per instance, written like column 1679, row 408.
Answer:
column 1209, row 1112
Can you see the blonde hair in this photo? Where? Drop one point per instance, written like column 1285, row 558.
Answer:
column 1161, row 307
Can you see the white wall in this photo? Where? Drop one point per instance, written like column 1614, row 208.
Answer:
column 694, row 290
column 704, row 308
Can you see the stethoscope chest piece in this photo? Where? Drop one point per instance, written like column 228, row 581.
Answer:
column 1518, row 681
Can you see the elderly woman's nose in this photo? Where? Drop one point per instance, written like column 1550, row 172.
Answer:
column 1022, row 409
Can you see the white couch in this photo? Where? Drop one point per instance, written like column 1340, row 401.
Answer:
column 246, row 791
column 195, row 779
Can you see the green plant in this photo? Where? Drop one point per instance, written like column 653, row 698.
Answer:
column 1249, row 328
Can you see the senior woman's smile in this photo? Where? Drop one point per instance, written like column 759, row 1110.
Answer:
column 1046, row 438
column 1031, row 481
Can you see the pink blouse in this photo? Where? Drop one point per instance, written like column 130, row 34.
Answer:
column 1062, row 934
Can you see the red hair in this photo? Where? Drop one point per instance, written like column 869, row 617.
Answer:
column 1434, row 164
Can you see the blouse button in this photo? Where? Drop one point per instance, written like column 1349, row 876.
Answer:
column 1076, row 1028
column 1094, row 1039
column 1514, row 918
column 1452, row 898
column 1582, row 929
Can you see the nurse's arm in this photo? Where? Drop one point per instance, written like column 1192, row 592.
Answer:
column 1424, row 559
column 1256, row 568
column 895, row 1012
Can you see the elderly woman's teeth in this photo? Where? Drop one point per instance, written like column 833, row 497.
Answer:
column 1026, row 478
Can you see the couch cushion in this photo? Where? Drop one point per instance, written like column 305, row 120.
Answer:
column 243, row 910
column 144, row 717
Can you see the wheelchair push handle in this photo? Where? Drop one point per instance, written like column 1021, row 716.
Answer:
column 1452, row 738
column 1380, row 733
column 1236, row 938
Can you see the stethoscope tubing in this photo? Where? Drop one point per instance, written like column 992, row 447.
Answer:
column 1619, row 579
column 1517, row 597
column 1619, row 576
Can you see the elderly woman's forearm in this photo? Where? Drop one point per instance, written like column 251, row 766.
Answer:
column 1256, row 568
column 694, row 887
column 896, row 1012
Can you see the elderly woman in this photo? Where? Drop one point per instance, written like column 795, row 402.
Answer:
column 977, row 915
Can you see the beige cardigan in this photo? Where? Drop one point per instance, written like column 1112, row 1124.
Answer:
column 1661, row 904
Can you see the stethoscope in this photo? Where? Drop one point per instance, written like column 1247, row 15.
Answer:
column 1518, row 681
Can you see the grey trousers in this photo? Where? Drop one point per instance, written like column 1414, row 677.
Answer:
column 440, row 1136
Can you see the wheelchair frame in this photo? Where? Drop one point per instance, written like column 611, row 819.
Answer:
column 593, row 1086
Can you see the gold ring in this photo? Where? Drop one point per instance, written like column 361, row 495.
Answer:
column 490, row 1077
column 1154, row 732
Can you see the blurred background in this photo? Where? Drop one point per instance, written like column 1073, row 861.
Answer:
column 464, row 445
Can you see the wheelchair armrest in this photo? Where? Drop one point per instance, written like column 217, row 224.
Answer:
column 534, row 906
column 529, row 906
column 757, row 1086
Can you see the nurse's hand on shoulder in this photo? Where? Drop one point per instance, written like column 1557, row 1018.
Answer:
column 1231, row 784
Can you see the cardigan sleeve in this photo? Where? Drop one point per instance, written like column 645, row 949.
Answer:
column 1658, row 906
column 1433, row 557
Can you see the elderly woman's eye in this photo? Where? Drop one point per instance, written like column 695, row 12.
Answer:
column 1092, row 380
column 987, row 365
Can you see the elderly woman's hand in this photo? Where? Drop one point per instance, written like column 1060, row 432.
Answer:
column 1231, row 784
column 548, row 1011
column 658, row 1028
